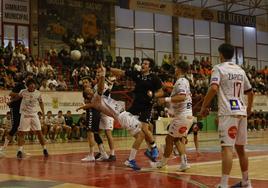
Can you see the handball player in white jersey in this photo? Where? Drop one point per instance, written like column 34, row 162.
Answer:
column 230, row 83
column 31, row 99
column 180, row 103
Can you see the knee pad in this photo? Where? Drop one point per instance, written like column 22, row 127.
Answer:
column 97, row 138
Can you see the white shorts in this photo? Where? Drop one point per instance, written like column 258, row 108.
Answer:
column 106, row 122
column 29, row 122
column 129, row 122
column 179, row 126
column 232, row 130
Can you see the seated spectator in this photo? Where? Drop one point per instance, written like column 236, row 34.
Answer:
column 62, row 86
column 81, row 124
column 60, row 125
column 44, row 86
column 46, row 68
column 3, row 79
column 51, row 79
column 69, row 122
column 51, row 87
column 48, row 125
column 10, row 83
column 2, row 65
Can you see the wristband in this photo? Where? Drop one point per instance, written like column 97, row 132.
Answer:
column 167, row 99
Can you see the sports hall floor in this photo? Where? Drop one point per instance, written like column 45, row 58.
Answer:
column 64, row 169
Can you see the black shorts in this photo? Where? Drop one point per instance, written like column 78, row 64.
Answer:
column 15, row 121
column 144, row 113
column 92, row 120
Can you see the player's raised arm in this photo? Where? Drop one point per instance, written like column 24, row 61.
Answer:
column 101, row 72
column 116, row 72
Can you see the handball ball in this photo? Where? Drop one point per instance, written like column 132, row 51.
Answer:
column 75, row 55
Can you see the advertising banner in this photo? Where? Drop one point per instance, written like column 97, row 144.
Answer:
column 16, row 11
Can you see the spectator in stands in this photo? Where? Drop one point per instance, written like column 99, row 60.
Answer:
column 3, row 67
column 51, row 87
column 48, row 124
column 60, row 125
column 70, row 123
column 3, row 79
column 166, row 64
column 62, row 86
column 81, row 124
column 52, row 80
column 46, row 68
column 44, row 86
column 8, row 51
column 10, row 83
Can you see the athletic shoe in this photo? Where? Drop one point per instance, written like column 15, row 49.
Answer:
column 88, row 158
column 111, row 158
column 132, row 164
column 148, row 154
column 2, row 152
column 45, row 152
column 154, row 152
column 98, row 155
column 102, row 158
column 19, row 155
column 184, row 167
column 240, row 184
column 158, row 164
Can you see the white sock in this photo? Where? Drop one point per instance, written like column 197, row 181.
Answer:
column 112, row 152
column 91, row 151
column 184, row 159
column 20, row 148
column 224, row 180
column 44, row 147
column 133, row 153
column 5, row 143
column 244, row 177
column 102, row 151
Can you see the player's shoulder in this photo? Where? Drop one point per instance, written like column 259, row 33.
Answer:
column 183, row 80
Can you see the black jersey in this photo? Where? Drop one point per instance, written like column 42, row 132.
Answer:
column 144, row 83
column 17, row 89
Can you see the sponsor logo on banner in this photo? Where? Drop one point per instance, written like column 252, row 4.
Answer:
column 232, row 131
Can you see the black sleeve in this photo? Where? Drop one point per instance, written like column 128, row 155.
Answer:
column 18, row 88
column 132, row 74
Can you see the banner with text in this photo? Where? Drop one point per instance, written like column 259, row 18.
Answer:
column 53, row 101
column 260, row 103
column 16, row 11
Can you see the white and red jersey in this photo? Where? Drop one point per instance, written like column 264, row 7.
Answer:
column 181, row 86
column 232, row 82
column 30, row 101
column 107, row 105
